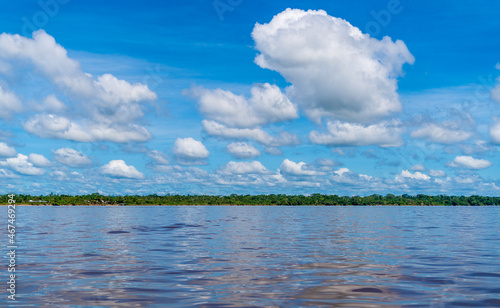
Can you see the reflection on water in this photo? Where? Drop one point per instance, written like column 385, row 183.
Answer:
column 258, row 256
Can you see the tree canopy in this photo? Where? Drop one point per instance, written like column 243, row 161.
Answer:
column 273, row 199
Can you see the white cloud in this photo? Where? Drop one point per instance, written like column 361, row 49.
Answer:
column 266, row 105
column 335, row 70
column 385, row 134
column 495, row 132
column 219, row 130
column 119, row 133
column 7, row 174
column 52, row 103
column 470, row 163
column 253, row 167
column 9, row 103
column 116, row 92
column 405, row 174
column 447, row 134
column 437, row 173
column 71, row 158
column 119, row 169
column 52, row 126
column 39, row 160
column 112, row 103
column 52, row 60
column 21, row 165
column 188, row 149
column 243, row 150
column 59, row 127
column 58, row 174
column 347, row 177
column 466, row 180
column 341, row 171
column 72, row 177
column 418, row 167
column 158, row 157
column 297, row 169
column 7, row 151
column 49, row 57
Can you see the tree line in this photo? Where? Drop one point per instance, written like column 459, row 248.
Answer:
column 273, row 199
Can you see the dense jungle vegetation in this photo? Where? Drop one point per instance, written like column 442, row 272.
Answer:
column 279, row 199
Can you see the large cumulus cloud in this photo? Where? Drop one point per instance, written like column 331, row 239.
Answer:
column 335, row 69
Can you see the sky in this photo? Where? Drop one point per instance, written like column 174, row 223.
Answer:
column 249, row 97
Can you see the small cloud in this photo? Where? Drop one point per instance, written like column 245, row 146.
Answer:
column 39, row 160
column 446, row 134
column 437, row 173
column 324, row 165
column 7, row 174
column 243, row 150
column 341, row 171
column 266, row 105
column 346, row 176
column 119, row 169
column 21, row 165
column 190, row 151
column 470, row 163
column 58, row 175
column 297, row 169
column 384, row 134
column 7, row 151
column 158, row 157
column 253, row 167
column 9, row 103
column 418, row 167
column 72, row 158
column 52, row 103
column 495, row 132
column 57, row 127
column 405, row 174
column 217, row 129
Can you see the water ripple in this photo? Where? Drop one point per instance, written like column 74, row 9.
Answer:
column 259, row 257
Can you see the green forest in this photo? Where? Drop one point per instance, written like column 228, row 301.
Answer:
column 279, row 199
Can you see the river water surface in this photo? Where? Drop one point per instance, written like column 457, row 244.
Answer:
column 228, row 256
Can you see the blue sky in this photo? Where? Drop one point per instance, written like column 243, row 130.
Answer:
column 249, row 97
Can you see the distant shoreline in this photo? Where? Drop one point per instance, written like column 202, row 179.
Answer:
column 248, row 200
column 245, row 205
